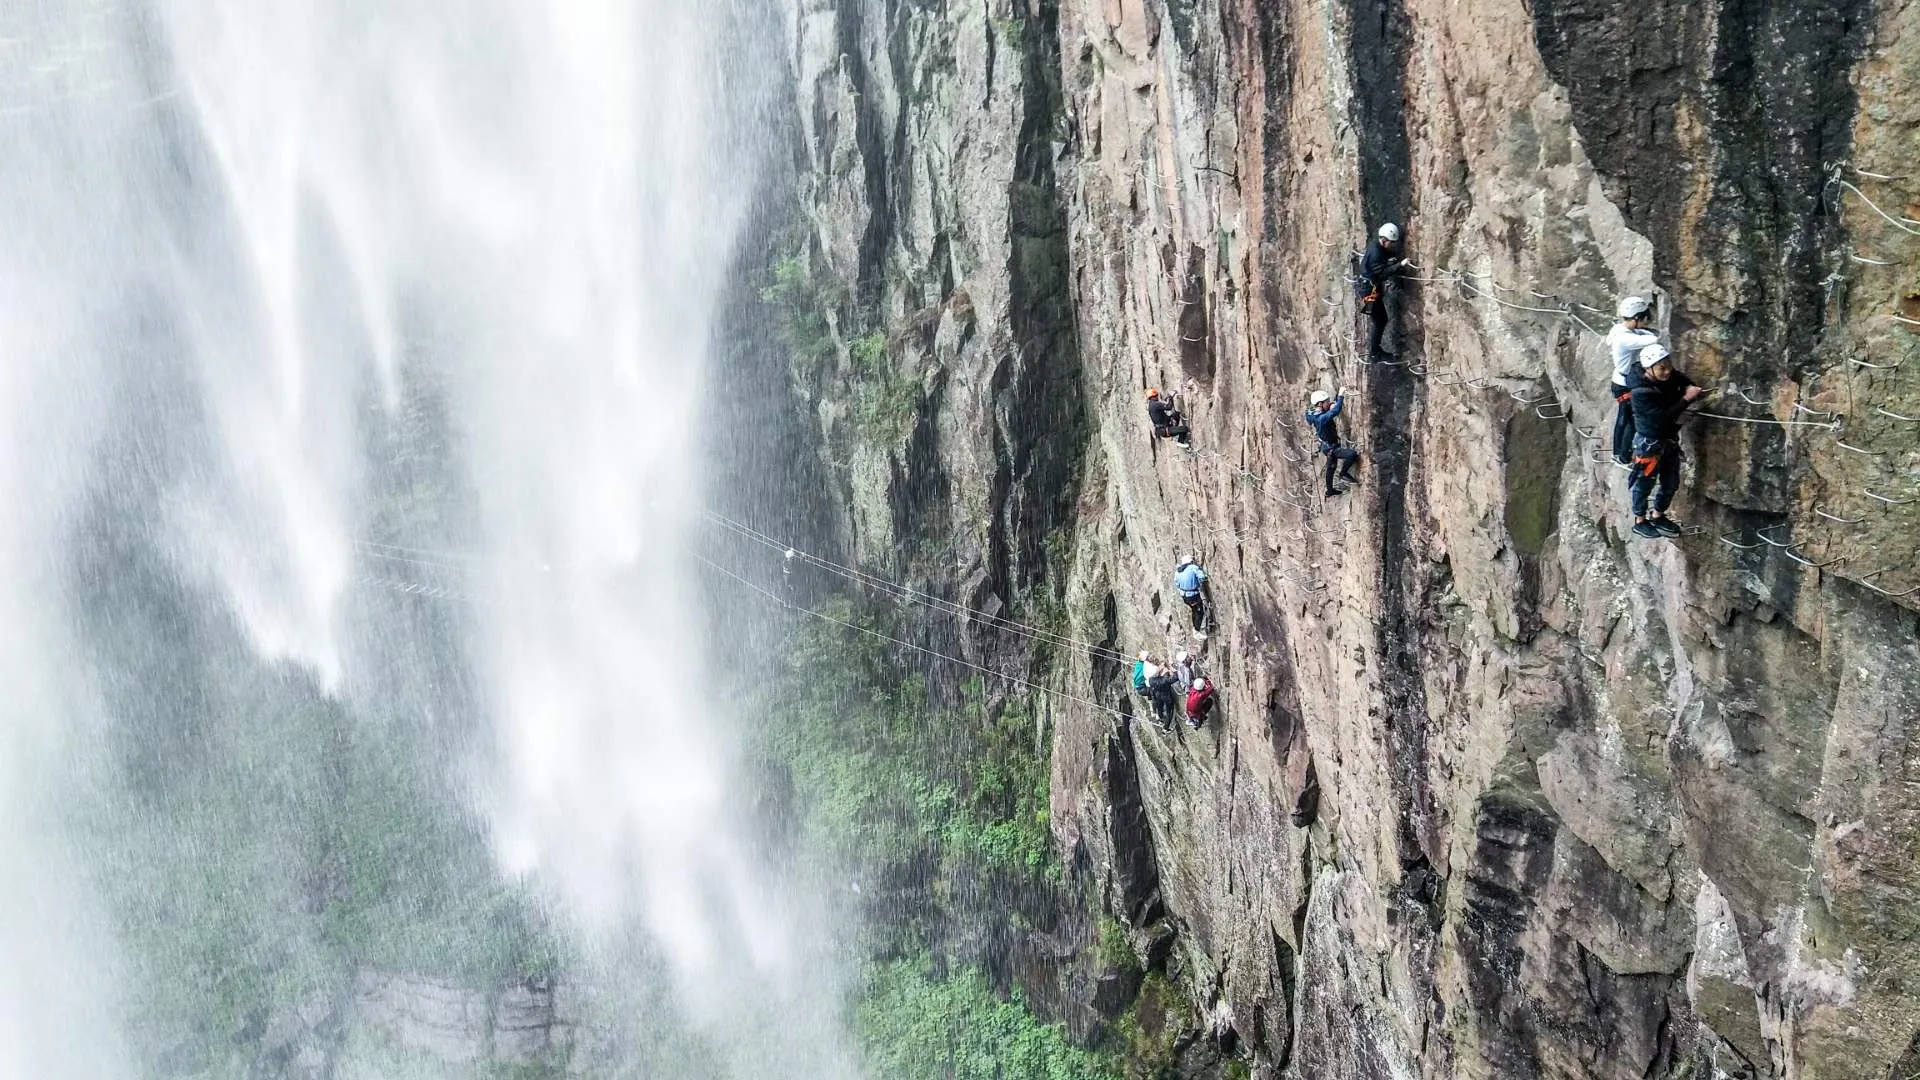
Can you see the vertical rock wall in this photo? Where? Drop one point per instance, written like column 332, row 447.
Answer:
column 1587, row 806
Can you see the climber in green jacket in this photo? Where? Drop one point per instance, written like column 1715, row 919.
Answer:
column 1143, row 669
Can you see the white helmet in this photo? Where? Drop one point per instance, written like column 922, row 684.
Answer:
column 1319, row 396
column 1633, row 307
column 1144, row 657
column 1180, row 657
column 1200, row 683
column 1653, row 354
column 1390, row 233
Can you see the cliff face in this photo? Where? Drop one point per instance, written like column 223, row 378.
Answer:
column 1587, row 805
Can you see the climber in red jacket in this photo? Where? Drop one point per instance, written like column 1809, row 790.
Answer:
column 1199, row 701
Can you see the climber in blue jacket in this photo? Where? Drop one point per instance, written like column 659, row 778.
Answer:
column 1192, row 583
column 1322, row 409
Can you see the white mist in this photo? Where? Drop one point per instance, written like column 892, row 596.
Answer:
column 544, row 195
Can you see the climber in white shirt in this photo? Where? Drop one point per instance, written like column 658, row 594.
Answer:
column 1625, row 340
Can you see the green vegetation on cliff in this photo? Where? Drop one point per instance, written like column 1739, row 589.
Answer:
column 884, row 775
column 933, row 799
column 915, row 1026
column 814, row 315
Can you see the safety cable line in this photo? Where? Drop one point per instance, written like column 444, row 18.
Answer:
column 433, row 592
column 888, row 588
column 412, row 561
column 1905, row 225
column 1462, row 282
column 1829, row 425
column 374, row 547
column 777, row 599
column 902, row 592
column 1451, row 377
column 414, row 588
column 911, row 595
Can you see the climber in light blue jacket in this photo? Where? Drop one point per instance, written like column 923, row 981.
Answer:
column 1192, row 583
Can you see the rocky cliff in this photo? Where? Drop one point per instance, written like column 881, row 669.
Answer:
column 1497, row 789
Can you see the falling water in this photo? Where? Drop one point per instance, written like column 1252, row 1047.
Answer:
column 350, row 361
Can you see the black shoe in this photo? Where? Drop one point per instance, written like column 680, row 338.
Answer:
column 1331, row 492
column 1346, row 479
column 1647, row 529
column 1666, row 526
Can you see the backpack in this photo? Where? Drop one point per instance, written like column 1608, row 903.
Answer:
column 1139, row 677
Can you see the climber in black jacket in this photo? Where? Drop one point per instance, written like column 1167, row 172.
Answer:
column 1658, row 402
column 1380, row 271
column 1167, row 421
column 1162, row 690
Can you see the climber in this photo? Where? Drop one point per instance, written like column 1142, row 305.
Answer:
column 1143, row 669
column 1199, row 702
column 1184, row 668
column 1626, row 339
column 1192, row 583
column 1658, row 402
column 1160, row 690
column 1380, row 271
column 1322, row 409
column 1168, row 423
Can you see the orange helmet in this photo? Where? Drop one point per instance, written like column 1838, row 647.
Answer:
column 1153, row 392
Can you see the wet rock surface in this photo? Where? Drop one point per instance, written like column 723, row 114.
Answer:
column 1495, row 789
column 401, row 1024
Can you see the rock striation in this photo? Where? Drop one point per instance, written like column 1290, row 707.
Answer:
column 1496, row 789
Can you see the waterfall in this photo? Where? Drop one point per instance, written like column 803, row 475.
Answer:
column 351, row 366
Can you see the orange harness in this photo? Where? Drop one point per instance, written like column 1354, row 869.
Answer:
column 1645, row 463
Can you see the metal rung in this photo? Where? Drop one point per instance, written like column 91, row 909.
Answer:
column 1868, row 582
column 1835, row 517
column 1791, row 554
